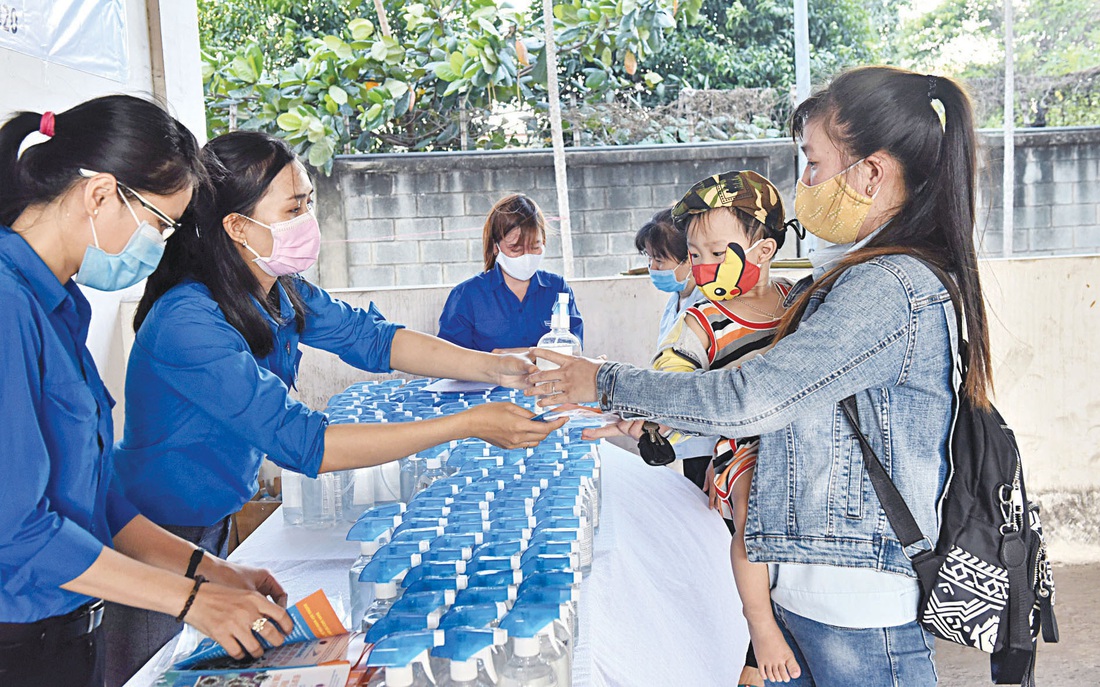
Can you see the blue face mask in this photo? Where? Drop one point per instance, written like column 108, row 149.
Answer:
column 137, row 260
column 665, row 280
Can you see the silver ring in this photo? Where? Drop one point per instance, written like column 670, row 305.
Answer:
column 259, row 625
column 553, row 389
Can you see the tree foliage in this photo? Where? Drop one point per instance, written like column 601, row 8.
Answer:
column 447, row 71
column 750, row 43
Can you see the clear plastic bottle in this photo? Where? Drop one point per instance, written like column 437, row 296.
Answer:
column 433, row 473
column 410, row 472
column 319, row 501
column 385, row 594
column 362, row 593
column 292, row 497
column 525, row 666
column 559, row 339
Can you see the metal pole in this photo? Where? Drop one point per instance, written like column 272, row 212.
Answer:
column 1009, row 181
column 560, row 177
column 802, row 88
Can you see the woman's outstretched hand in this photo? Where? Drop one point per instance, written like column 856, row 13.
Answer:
column 508, row 426
column 512, row 369
column 574, row 381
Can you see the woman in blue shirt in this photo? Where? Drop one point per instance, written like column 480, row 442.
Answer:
column 216, row 354
column 507, row 307
column 70, row 205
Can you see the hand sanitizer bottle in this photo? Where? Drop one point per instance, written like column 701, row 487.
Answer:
column 559, row 339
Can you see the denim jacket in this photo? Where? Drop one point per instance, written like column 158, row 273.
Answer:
column 884, row 332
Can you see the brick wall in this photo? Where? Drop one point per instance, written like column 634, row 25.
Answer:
column 414, row 219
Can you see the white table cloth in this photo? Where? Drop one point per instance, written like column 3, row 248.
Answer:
column 658, row 608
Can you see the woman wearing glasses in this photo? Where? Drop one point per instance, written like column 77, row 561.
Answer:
column 216, row 354
column 507, row 307
column 87, row 198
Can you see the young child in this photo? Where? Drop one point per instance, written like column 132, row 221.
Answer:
column 734, row 224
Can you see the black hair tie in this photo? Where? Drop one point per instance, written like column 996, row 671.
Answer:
column 933, row 87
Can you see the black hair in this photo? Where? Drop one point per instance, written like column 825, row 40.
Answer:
column 660, row 238
column 133, row 139
column 884, row 109
column 241, row 166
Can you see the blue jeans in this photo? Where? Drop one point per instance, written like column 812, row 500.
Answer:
column 832, row 656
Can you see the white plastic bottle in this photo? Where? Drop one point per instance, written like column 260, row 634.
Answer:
column 559, row 339
column 433, row 473
column 292, row 497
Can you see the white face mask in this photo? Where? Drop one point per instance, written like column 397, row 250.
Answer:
column 522, row 268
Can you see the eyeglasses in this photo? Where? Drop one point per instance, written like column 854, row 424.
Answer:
column 171, row 225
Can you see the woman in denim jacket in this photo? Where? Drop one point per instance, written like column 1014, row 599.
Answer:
column 890, row 179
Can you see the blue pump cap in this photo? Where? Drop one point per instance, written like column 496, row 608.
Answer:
column 398, row 622
column 484, row 595
column 544, row 563
column 527, row 621
column 383, row 509
column 464, row 644
column 373, row 528
column 435, row 569
column 387, row 568
column 476, row 616
column 423, row 602
column 399, row 649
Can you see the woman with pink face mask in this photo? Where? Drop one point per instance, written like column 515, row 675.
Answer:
column 507, row 307
column 216, row 354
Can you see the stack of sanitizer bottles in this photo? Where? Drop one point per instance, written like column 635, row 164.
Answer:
column 473, row 579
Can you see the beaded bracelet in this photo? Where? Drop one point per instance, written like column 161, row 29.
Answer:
column 199, row 581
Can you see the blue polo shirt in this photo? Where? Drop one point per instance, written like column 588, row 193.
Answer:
column 57, row 505
column 482, row 313
column 202, row 410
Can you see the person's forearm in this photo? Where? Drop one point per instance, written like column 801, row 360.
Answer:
column 151, row 544
column 363, row 445
column 123, row 580
column 428, row 356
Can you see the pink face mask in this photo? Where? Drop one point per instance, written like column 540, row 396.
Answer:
column 295, row 247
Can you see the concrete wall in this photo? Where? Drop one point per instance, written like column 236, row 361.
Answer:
column 416, row 218
column 1045, row 322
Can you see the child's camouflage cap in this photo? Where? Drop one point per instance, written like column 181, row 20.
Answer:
column 746, row 191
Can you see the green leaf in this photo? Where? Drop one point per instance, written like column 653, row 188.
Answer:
column 361, row 29
column 288, row 121
column 396, row 88
column 338, row 95
column 443, row 71
column 243, row 70
column 321, row 152
column 378, row 51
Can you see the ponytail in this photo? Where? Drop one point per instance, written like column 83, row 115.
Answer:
column 872, row 109
column 135, row 140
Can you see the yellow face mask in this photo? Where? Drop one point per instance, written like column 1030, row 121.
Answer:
column 832, row 210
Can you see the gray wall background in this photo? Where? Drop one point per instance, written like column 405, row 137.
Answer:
column 416, row 218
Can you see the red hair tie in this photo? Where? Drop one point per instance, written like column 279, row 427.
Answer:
column 46, row 126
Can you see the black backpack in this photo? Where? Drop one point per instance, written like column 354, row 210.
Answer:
column 987, row 584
